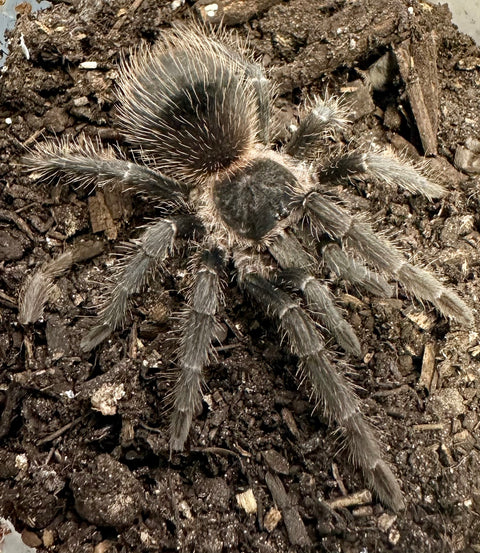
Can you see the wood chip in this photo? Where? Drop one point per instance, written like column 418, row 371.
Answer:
column 100, row 216
column 276, row 462
column 338, row 479
column 247, row 501
column 315, row 59
column 426, row 427
column 296, row 530
column 417, row 62
column 363, row 511
column 428, row 366
column 272, row 518
column 386, row 521
column 289, row 420
column 357, row 498
column 425, row 321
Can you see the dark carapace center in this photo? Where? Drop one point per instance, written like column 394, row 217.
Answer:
column 255, row 198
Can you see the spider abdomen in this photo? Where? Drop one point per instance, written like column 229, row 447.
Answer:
column 189, row 107
column 253, row 200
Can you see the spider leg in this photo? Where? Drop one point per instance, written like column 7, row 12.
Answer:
column 325, row 117
column 290, row 255
column 354, row 271
column 331, row 388
column 262, row 86
column 89, row 162
column 38, row 287
column 199, row 330
column 321, row 302
column 334, row 220
column 263, row 93
column 384, row 167
column 149, row 251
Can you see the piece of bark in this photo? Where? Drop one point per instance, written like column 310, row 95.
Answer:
column 296, row 530
column 428, row 367
column 100, row 217
column 326, row 42
column 417, row 63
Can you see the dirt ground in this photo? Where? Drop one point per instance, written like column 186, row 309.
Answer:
column 78, row 475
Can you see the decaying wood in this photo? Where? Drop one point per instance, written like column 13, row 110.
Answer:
column 328, row 42
column 417, row 63
column 428, row 367
column 357, row 498
column 296, row 530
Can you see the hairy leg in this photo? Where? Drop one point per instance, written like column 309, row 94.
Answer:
column 149, row 252
column 354, row 271
column 331, row 389
column 288, row 252
column 200, row 329
column 37, row 288
column 324, row 117
column 334, row 220
column 263, row 92
column 384, row 167
column 321, row 304
column 91, row 163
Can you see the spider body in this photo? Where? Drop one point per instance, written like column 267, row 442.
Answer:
column 256, row 198
column 196, row 107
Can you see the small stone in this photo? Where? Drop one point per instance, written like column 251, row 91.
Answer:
column 447, row 402
column 79, row 102
column 88, row 65
column 473, row 144
column 104, row 547
column 56, row 120
column 359, row 99
column 392, row 118
column 464, row 440
column 159, row 313
column 394, row 536
column 21, row 461
column 12, row 245
column 467, row 161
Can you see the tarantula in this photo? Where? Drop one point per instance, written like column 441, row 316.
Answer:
column 196, row 107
